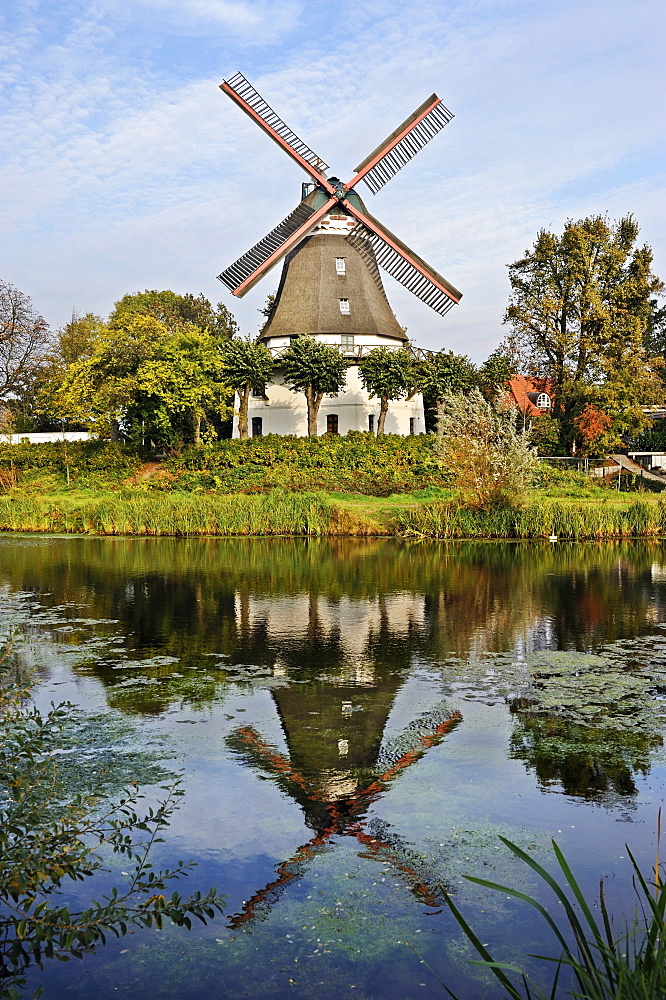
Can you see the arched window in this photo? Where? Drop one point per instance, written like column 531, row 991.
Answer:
column 543, row 401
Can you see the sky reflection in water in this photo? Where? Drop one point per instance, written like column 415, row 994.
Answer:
column 358, row 721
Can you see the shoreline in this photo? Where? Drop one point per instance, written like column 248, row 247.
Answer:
column 314, row 514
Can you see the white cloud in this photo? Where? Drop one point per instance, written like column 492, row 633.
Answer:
column 125, row 167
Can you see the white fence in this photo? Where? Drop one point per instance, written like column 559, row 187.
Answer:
column 45, row 437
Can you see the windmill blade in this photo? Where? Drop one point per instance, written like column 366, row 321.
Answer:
column 398, row 149
column 244, row 273
column 252, row 103
column 374, row 242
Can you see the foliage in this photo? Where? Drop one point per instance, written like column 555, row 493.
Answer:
column 604, row 964
column 357, row 462
column 142, row 379
column 25, row 341
column 580, row 307
column 592, row 427
column 492, row 462
column 246, row 366
column 496, row 372
column 316, row 369
column 653, row 438
column 49, row 837
column 176, row 312
column 536, row 519
column 386, row 375
column 545, row 435
column 440, row 373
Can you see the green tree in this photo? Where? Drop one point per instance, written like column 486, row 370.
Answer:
column 580, row 307
column 440, row 374
column 177, row 312
column 316, row 369
column 496, row 373
column 387, row 375
column 50, row 835
column 491, row 460
column 247, row 366
column 142, row 378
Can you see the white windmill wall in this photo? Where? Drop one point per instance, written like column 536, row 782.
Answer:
column 285, row 412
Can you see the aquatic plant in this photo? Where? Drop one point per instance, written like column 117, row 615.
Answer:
column 601, row 962
column 51, row 835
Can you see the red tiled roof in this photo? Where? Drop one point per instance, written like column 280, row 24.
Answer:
column 522, row 387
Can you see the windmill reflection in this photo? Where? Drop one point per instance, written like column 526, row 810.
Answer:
column 335, row 799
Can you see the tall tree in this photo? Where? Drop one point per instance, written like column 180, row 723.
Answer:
column 579, row 310
column 246, row 366
column 495, row 373
column 316, row 369
column 387, row 375
column 25, row 340
column 176, row 312
column 438, row 375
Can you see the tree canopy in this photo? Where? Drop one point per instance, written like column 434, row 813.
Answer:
column 316, row 369
column 25, row 340
column 581, row 305
column 246, row 366
column 387, row 374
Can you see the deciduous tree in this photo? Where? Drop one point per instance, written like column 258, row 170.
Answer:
column 580, row 307
column 25, row 340
column 316, row 369
column 388, row 374
column 247, row 366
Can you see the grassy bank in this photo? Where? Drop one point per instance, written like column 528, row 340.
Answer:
column 312, row 514
column 183, row 514
column 539, row 518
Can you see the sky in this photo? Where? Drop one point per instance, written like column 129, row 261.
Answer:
column 124, row 167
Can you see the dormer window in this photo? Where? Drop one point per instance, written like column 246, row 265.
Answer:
column 340, row 265
column 344, row 307
column 543, row 401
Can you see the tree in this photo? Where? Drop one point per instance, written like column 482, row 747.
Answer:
column 246, row 366
column 496, row 373
column 386, row 375
column 50, row 835
column 580, row 307
column 176, row 312
column 442, row 373
column 491, row 460
column 25, row 340
column 142, row 378
column 316, row 369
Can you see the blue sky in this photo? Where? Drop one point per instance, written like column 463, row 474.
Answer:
column 124, row 167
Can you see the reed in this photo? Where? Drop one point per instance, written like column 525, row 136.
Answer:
column 600, row 961
column 537, row 519
column 274, row 513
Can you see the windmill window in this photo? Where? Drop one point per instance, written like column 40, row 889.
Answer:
column 259, row 393
column 543, row 401
column 344, row 307
column 332, row 423
column 371, row 423
column 347, row 340
column 257, row 427
column 412, row 425
column 340, row 265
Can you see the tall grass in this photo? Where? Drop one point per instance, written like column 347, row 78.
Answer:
column 537, row 519
column 172, row 514
column 601, row 962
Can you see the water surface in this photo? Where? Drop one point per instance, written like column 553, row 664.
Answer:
column 358, row 721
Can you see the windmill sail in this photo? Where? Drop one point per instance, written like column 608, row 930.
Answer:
column 240, row 276
column 371, row 239
column 243, row 93
column 404, row 143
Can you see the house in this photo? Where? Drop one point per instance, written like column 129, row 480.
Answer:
column 534, row 397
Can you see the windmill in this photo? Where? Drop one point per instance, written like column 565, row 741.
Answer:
column 331, row 285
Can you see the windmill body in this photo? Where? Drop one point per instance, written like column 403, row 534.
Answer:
column 331, row 287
